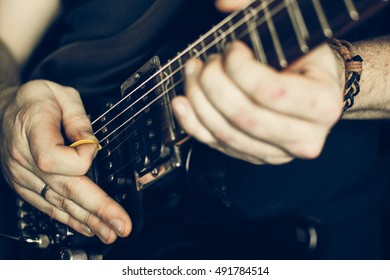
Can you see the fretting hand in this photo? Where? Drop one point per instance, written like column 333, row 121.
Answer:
column 251, row 112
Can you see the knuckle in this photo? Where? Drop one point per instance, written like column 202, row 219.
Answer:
column 91, row 221
column 244, row 119
column 222, row 136
column 236, row 56
column 44, row 162
column 62, row 203
column 15, row 153
column 51, row 211
column 84, row 167
column 310, row 150
column 332, row 113
column 72, row 90
column 289, row 130
column 13, row 175
column 66, row 190
column 103, row 209
column 207, row 73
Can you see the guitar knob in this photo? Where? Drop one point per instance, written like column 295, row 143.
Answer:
column 73, row 254
column 78, row 254
column 22, row 224
column 21, row 213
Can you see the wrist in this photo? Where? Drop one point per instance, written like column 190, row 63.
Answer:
column 350, row 70
column 9, row 77
column 9, row 74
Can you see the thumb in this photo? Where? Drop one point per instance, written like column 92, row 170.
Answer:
column 77, row 126
column 231, row 5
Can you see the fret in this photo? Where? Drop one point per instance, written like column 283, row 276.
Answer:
column 251, row 17
column 275, row 38
column 180, row 68
column 209, row 41
column 231, row 30
column 171, row 78
column 239, row 25
column 298, row 23
column 218, row 37
column 223, row 39
column 353, row 13
column 170, row 89
column 173, row 67
column 203, row 48
column 322, row 18
column 278, row 30
column 194, row 52
column 227, row 32
column 300, row 20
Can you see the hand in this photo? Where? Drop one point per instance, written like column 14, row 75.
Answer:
column 34, row 154
column 249, row 111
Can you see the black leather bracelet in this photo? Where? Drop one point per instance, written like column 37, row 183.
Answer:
column 353, row 70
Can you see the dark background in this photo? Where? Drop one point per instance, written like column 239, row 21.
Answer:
column 376, row 26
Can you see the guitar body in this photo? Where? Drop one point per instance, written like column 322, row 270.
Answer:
column 148, row 163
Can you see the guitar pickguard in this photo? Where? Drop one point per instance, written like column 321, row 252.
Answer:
column 155, row 143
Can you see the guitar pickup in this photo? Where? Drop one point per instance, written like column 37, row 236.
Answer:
column 153, row 136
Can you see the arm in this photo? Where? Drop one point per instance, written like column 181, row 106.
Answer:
column 373, row 101
column 32, row 148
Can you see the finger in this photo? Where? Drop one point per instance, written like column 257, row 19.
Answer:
column 295, row 136
column 216, row 124
column 28, row 185
column 91, row 224
column 85, row 193
column 97, row 226
column 286, row 93
column 191, row 124
column 229, row 5
column 41, row 204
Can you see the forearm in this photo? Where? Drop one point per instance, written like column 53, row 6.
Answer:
column 9, row 76
column 373, row 101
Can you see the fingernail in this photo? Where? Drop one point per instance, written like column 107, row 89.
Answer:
column 118, row 226
column 87, row 230
column 103, row 232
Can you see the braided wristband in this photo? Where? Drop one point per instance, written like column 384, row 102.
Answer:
column 353, row 70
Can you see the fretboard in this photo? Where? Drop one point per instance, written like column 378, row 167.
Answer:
column 279, row 31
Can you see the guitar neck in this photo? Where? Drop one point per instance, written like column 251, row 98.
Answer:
column 279, row 31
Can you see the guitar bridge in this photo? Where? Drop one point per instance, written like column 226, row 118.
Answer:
column 155, row 142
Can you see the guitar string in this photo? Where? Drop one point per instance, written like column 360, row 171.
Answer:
column 162, row 94
column 210, row 32
column 213, row 43
column 168, row 90
column 157, row 98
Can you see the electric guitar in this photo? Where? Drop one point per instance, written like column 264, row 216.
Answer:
column 142, row 142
